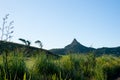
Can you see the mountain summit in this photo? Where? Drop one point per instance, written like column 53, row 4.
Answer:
column 74, row 47
column 75, row 42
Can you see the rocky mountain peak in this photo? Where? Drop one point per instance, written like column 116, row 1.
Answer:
column 75, row 42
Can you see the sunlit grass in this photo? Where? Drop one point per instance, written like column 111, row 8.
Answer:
column 67, row 67
column 30, row 62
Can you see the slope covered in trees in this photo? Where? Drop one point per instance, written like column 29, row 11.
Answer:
column 76, row 47
column 28, row 50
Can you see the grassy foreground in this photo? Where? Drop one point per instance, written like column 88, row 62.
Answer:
column 68, row 67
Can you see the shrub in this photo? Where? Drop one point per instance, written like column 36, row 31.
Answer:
column 14, row 68
column 110, row 66
column 17, row 67
column 46, row 67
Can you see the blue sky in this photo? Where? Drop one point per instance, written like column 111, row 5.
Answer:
column 56, row 23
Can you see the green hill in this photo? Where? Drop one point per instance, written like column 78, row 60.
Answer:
column 28, row 50
column 76, row 47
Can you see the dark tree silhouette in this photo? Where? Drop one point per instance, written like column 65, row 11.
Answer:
column 23, row 40
column 39, row 43
column 28, row 43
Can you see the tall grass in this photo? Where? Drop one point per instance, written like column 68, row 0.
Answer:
column 110, row 66
column 68, row 67
column 14, row 68
column 45, row 67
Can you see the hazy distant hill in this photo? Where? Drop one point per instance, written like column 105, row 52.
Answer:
column 76, row 47
column 29, row 50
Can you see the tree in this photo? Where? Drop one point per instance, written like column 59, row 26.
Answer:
column 39, row 43
column 6, row 29
column 23, row 40
column 26, row 42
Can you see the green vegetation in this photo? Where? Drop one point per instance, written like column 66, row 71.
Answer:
column 16, row 66
column 24, row 62
column 76, row 47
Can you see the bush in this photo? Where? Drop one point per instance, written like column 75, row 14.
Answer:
column 45, row 67
column 13, row 67
column 17, row 67
column 68, row 67
column 110, row 66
